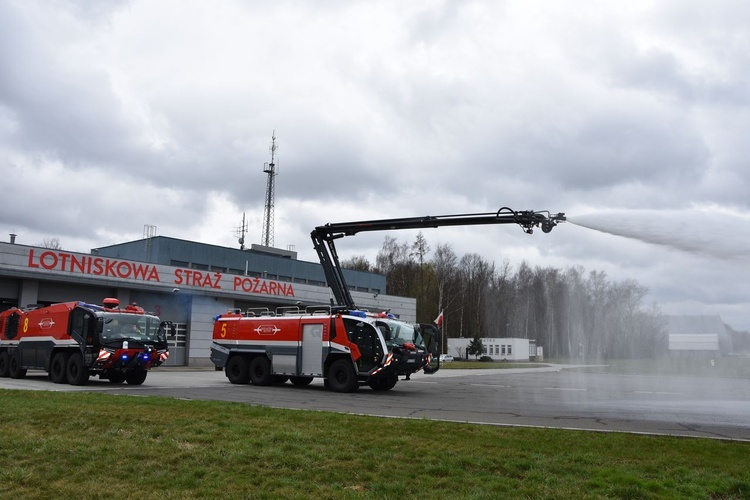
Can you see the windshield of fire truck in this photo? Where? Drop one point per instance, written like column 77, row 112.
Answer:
column 139, row 328
column 402, row 333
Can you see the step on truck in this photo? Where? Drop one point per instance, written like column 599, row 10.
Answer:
column 346, row 348
column 73, row 341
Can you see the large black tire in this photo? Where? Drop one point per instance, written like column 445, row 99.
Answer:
column 4, row 362
column 116, row 377
column 341, row 377
column 58, row 368
column 238, row 371
column 136, row 377
column 78, row 373
column 301, row 381
column 260, row 371
column 383, row 383
column 14, row 366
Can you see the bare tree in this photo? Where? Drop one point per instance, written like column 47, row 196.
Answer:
column 420, row 249
column 51, row 243
column 572, row 313
column 357, row 263
column 395, row 262
column 475, row 274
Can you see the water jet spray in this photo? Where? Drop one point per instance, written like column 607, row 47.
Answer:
column 707, row 233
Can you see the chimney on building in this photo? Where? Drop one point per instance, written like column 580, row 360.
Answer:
column 12, row 238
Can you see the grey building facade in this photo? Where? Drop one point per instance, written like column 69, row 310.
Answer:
column 186, row 282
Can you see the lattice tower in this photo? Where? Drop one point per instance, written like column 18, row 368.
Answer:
column 270, row 169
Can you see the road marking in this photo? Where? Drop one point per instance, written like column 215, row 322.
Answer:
column 656, row 392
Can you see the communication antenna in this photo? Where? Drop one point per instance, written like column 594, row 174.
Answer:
column 270, row 169
column 149, row 231
column 241, row 232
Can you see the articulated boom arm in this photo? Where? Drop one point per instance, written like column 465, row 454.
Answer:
column 323, row 236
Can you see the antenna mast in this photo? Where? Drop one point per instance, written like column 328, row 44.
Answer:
column 241, row 232
column 270, row 169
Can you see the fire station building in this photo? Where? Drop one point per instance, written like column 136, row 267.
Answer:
column 185, row 282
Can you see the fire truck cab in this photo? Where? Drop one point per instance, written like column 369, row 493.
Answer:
column 418, row 345
column 75, row 340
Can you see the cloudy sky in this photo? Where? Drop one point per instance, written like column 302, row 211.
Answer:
column 627, row 116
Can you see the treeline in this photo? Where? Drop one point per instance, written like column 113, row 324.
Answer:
column 571, row 312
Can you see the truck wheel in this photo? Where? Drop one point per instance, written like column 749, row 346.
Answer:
column 14, row 366
column 383, row 383
column 260, row 371
column 78, row 373
column 301, row 381
column 58, row 368
column 4, row 360
column 341, row 377
column 237, row 370
column 136, row 377
column 116, row 377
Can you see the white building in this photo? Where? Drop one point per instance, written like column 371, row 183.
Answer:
column 698, row 335
column 499, row 349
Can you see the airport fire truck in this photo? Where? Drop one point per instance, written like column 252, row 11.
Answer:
column 75, row 340
column 346, row 346
column 343, row 346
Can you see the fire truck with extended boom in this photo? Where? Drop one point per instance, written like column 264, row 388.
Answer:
column 75, row 340
column 346, row 346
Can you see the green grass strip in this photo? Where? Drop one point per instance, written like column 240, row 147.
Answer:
column 78, row 445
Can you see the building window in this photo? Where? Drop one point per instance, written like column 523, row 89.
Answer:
column 502, row 349
column 510, row 350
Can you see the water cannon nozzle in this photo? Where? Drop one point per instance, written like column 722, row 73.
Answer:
column 550, row 222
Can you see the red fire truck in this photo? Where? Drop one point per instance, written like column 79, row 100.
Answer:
column 347, row 348
column 75, row 340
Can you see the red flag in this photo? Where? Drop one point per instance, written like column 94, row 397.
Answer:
column 439, row 319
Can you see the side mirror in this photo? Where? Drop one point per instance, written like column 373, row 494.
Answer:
column 169, row 328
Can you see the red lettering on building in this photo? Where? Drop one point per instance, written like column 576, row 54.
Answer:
column 256, row 285
column 53, row 260
column 94, row 266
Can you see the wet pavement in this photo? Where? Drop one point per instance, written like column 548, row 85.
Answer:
column 558, row 396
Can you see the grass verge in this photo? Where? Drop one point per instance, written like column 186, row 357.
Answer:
column 68, row 445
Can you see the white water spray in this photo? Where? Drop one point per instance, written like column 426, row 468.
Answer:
column 713, row 233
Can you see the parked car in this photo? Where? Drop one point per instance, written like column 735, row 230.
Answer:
column 446, row 358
